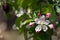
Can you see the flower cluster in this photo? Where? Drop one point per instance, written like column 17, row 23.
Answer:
column 42, row 22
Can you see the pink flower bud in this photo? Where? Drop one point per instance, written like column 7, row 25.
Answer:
column 39, row 14
column 31, row 24
column 51, row 26
column 48, row 15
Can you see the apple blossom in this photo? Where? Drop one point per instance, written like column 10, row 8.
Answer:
column 42, row 24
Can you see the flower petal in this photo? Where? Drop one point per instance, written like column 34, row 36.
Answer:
column 37, row 21
column 38, row 28
column 42, row 17
column 46, row 22
column 45, row 28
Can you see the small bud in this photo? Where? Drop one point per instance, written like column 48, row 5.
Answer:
column 39, row 14
column 48, row 15
column 51, row 26
column 31, row 24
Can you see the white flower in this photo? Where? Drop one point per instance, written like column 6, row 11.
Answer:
column 21, row 12
column 42, row 24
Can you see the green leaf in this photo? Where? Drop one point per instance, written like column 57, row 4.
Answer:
column 25, row 23
column 20, row 19
column 28, row 21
